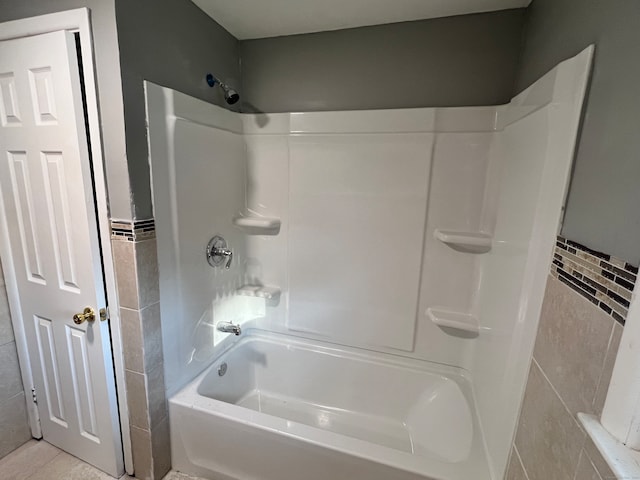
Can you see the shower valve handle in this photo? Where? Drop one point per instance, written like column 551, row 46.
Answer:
column 225, row 252
column 217, row 252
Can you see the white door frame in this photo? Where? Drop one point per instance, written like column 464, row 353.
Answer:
column 77, row 20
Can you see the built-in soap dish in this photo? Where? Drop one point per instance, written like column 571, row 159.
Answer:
column 460, row 321
column 255, row 225
column 469, row 242
column 261, row 291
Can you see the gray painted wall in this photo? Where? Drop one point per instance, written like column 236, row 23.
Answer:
column 174, row 44
column 604, row 199
column 107, row 66
column 455, row 61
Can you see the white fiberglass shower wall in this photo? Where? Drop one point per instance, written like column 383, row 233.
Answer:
column 419, row 233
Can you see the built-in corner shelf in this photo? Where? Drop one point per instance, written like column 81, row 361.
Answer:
column 254, row 225
column 457, row 320
column 260, row 291
column 470, row 242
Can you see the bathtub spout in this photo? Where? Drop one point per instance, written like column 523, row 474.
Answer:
column 228, row 327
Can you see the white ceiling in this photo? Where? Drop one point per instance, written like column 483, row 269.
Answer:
column 270, row 18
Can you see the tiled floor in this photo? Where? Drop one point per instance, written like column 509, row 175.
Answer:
column 180, row 476
column 38, row 460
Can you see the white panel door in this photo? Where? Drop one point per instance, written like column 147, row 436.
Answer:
column 47, row 193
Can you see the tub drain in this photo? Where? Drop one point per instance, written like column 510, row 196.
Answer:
column 222, row 369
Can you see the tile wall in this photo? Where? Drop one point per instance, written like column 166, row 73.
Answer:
column 14, row 426
column 581, row 323
column 604, row 280
column 136, row 266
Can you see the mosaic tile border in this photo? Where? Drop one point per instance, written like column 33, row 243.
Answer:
column 133, row 231
column 605, row 281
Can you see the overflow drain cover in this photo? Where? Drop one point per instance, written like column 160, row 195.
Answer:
column 222, row 369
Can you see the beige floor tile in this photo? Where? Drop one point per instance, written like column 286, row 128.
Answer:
column 39, row 460
column 68, row 467
column 173, row 475
column 27, row 460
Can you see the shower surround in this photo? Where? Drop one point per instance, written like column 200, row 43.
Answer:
column 369, row 248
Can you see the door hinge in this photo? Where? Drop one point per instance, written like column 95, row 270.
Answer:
column 33, row 395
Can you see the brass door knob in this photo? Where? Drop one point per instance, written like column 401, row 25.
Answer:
column 88, row 315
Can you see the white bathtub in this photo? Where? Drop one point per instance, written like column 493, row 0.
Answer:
column 291, row 409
